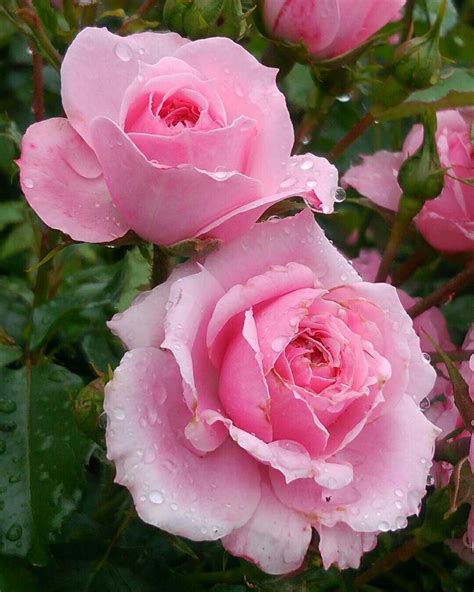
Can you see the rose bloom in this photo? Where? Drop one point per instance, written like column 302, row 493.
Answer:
column 327, row 28
column 446, row 222
column 170, row 138
column 268, row 390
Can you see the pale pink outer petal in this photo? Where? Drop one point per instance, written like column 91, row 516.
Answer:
column 165, row 205
column 276, row 538
column 248, row 89
column 62, row 181
column 389, row 475
column 142, row 323
column 99, row 66
column 341, row 546
column 296, row 239
column 199, row 497
column 191, row 302
column 376, row 178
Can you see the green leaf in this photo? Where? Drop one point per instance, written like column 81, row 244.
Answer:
column 454, row 91
column 42, row 461
column 16, row 577
column 432, row 6
column 135, row 277
column 437, row 526
column 9, row 354
column 11, row 212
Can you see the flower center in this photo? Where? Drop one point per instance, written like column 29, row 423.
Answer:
column 175, row 111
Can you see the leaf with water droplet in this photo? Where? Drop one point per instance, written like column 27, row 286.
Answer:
column 45, row 437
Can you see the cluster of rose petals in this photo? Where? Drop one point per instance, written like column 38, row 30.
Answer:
column 446, row 222
column 267, row 391
column 170, row 138
column 327, row 28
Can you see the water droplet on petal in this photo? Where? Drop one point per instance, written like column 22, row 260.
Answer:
column 340, row 195
column 427, row 357
column 28, row 183
column 311, row 184
column 174, row 507
column 123, row 52
column 119, row 413
column 430, row 480
column 398, row 493
column 384, row 526
column 306, row 165
column 156, row 497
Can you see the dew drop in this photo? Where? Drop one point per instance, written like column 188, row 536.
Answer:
column 156, row 497
column 430, row 480
column 398, row 505
column 288, row 183
column 311, row 184
column 123, row 52
column 427, row 357
column 384, row 526
column 119, row 413
column 103, row 420
column 306, row 165
column 343, row 98
column 398, row 493
column 141, row 51
column 306, row 140
column 28, row 183
column 174, row 507
column 7, row 406
column 14, row 532
column 340, row 195
column 149, row 456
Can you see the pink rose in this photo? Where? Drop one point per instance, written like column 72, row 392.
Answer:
column 446, row 222
column 170, row 138
column 269, row 390
column 327, row 28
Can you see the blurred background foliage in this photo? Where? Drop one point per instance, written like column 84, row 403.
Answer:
column 64, row 525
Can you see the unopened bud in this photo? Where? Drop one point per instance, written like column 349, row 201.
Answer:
column 204, row 18
column 421, row 176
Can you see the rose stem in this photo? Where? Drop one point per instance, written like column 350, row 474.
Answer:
column 29, row 16
column 445, row 291
column 408, row 20
column 419, row 257
column 37, row 105
column 160, row 268
column 398, row 230
column 141, row 10
column 352, row 135
column 403, row 553
column 455, row 356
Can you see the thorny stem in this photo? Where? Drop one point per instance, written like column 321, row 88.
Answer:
column 454, row 356
column 141, row 10
column 38, row 87
column 444, row 292
column 352, row 135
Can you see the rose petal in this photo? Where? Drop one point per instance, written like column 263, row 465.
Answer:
column 248, row 89
column 199, row 497
column 341, row 546
column 172, row 204
column 275, row 538
column 376, row 178
column 280, row 242
column 94, row 59
column 62, row 181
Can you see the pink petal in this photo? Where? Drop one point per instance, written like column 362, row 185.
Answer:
column 279, row 242
column 273, row 283
column 246, row 400
column 142, row 323
column 445, row 234
column 248, row 89
column 275, row 538
column 174, row 203
column 389, row 476
column 94, row 59
column 339, row 545
column 199, row 497
column 62, row 181
column 225, row 149
column 376, row 178
column 192, row 301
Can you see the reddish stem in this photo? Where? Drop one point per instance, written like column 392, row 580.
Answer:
column 352, row 135
column 38, row 86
